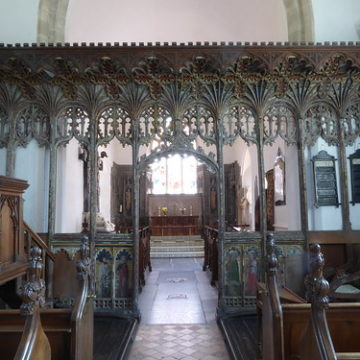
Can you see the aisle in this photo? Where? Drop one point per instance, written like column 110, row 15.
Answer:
column 178, row 308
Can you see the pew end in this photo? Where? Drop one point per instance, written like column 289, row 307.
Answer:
column 291, row 329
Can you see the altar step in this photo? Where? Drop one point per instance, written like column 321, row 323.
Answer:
column 176, row 246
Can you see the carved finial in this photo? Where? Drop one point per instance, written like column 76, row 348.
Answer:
column 317, row 288
column 83, row 266
column 33, row 291
column 271, row 259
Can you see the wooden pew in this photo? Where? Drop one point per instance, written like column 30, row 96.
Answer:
column 82, row 317
column 22, row 337
column 69, row 331
column 285, row 324
column 341, row 250
column 317, row 343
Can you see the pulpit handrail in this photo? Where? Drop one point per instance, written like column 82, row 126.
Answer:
column 38, row 241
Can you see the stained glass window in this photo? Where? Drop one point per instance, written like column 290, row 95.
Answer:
column 158, row 170
column 190, row 175
column 174, row 175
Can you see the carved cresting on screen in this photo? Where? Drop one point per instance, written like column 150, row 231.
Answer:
column 70, row 87
column 174, row 95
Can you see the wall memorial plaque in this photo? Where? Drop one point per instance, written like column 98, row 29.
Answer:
column 355, row 176
column 325, row 180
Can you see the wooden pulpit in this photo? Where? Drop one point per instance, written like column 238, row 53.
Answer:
column 13, row 260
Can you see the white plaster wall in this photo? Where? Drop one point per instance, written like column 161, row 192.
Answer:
column 117, row 154
column 2, row 161
column 324, row 217
column 143, row 150
column 292, row 210
column 270, row 154
column 249, row 177
column 246, row 156
column 182, row 21
column 188, row 20
column 287, row 217
column 336, row 20
column 69, row 194
column 18, row 21
column 354, row 209
column 234, row 152
column 105, row 178
column 122, row 155
column 105, row 182
column 32, row 165
column 310, row 188
column 207, row 148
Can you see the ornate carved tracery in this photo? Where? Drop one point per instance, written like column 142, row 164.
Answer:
column 321, row 85
column 179, row 98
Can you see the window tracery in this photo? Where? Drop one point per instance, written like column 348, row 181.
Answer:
column 175, row 174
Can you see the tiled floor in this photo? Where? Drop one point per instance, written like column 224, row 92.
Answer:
column 186, row 342
column 178, row 308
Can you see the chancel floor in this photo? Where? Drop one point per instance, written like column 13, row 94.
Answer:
column 178, row 308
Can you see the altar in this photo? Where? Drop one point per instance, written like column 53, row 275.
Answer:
column 174, row 225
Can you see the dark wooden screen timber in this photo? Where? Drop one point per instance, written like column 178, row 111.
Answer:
column 215, row 93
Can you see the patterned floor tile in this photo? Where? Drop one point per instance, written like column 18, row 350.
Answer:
column 194, row 344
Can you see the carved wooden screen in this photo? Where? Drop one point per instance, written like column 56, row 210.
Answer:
column 191, row 99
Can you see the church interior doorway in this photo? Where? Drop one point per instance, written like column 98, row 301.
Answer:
column 178, row 290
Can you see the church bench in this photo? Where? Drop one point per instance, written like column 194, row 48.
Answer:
column 323, row 331
column 343, row 322
column 55, row 322
column 22, row 336
column 341, row 250
column 69, row 331
column 284, row 326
